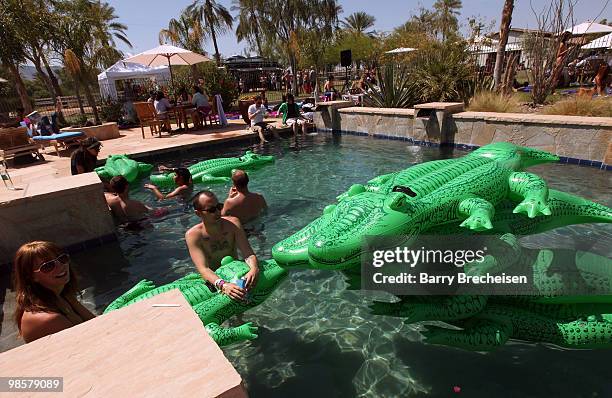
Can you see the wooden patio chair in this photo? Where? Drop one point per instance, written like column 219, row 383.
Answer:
column 213, row 115
column 146, row 114
column 15, row 141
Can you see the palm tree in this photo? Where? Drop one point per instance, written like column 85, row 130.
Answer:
column 88, row 31
column 185, row 32
column 359, row 22
column 504, row 30
column 248, row 28
column 215, row 19
column 447, row 11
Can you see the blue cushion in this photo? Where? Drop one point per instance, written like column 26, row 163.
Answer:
column 60, row 136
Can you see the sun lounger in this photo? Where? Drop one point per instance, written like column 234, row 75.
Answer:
column 62, row 139
column 15, row 141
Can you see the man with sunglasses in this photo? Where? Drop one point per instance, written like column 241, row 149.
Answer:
column 216, row 237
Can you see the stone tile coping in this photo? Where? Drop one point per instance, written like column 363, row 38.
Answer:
column 442, row 106
column 50, row 186
column 334, row 103
column 136, row 351
column 378, row 111
column 538, row 119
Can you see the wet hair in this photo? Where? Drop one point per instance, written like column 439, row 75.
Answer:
column 29, row 295
column 159, row 95
column 197, row 89
column 184, row 174
column 330, row 77
column 257, row 98
column 119, row 184
column 195, row 202
column 290, row 97
column 240, row 179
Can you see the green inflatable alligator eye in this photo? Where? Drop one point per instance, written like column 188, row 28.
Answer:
column 122, row 165
column 212, row 307
column 215, row 171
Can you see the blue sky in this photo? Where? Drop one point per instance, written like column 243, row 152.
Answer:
column 145, row 18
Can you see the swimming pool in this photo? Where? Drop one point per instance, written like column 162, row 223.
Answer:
column 318, row 339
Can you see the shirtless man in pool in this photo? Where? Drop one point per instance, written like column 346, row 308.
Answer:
column 216, row 237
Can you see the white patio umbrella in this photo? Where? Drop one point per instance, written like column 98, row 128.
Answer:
column 168, row 55
column 589, row 27
column 400, row 50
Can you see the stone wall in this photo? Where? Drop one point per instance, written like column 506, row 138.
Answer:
column 105, row 131
column 576, row 139
column 70, row 211
column 573, row 137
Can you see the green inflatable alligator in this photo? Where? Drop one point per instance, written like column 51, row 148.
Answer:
column 212, row 307
column 572, row 308
column 481, row 192
column 215, row 171
column 122, row 165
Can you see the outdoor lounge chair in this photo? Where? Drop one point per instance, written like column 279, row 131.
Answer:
column 15, row 141
column 64, row 140
column 147, row 117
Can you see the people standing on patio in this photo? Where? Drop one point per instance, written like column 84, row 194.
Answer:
column 182, row 180
column 312, row 78
column 202, row 106
column 601, row 78
column 162, row 108
column 216, row 237
column 328, row 89
column 291, row 115
column 46, row 291
column 83, row 160
column 242, row 203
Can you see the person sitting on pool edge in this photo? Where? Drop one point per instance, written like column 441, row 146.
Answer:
column 183, row 181
column 291, row 115
column 46, row 291
column 124, row 209
column 242, row 203
column 216, row 237
column 84, row 159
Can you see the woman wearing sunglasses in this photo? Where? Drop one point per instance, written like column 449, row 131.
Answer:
column 46, row 291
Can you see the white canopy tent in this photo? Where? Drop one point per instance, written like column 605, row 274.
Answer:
column 590, row 27
column 602, row 42
column 123, row 70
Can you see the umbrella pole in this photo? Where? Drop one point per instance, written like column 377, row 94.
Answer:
column 171, row 76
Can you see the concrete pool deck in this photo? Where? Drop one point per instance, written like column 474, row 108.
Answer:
column 130, row 143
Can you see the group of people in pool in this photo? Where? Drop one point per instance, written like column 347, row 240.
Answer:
column 46, row 286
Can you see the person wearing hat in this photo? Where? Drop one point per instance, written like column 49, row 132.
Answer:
column 83, row 160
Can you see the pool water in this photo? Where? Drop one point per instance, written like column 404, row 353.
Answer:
column 318, row 339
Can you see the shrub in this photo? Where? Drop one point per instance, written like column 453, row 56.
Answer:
column 219, row 81
column 394, row 89
column 581, row 106
column 490, row 101
column 111, row 111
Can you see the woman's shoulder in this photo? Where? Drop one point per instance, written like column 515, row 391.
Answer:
column 35, row 325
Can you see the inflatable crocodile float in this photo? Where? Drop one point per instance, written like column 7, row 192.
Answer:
column 212, row 307
column 479, row 192
column 215, row 171
column 572, row 308
column 122, row 165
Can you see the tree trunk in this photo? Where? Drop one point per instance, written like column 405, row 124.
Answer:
column 43, row 76
column 504, row 30
column 195, row 73
column 293, row 63
column 51, row 74
column 21, row 90
column 92, row 102
column 77, row 90
column 213, row 36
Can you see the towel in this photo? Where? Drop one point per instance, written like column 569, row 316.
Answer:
column 222, row 118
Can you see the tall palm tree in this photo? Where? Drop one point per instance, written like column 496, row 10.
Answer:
column 359, row 22
column 447, row 11
column 248, row 28
column 185, row 32
column 504, row 30
column 214, row 18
